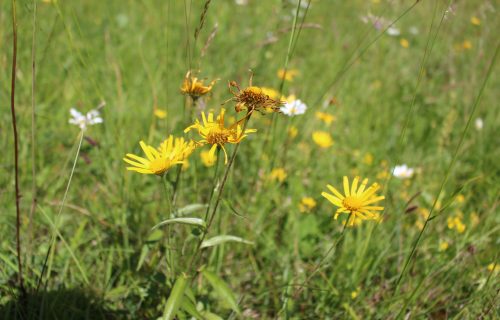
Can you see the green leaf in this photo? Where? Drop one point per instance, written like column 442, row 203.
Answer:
column 190, row 208
column 222, row 290
column 176, row 296
column 207, row 315
column 222, row 239
column 189, row 221
column 188, row 306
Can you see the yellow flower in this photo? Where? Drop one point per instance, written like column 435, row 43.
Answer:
column 419, row 224
column 404, row 43
column 456, row 223
column 158, row 161
column 474, row 219
column 274, row 94
column 207, row 159
column 460, row 198
column 368, row 159
column 356, row 202
column 467, row 45
column 443, row 245
column 355, row 293
column 322, row 139
column 214, row 132
column 254, row 99
column 278, row 174
column 160, row 114
column 289, row 75
column 195, row 88
column 325, row 117
column 292, row 132
column 307, row 204
column 492, row 267
column 382, row 175
column 475, row 21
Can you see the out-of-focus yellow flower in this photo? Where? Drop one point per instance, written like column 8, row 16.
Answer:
column 419, row 224
column 474, row 219
column 288, row 75
column 456, row 223
column 185, row 165
column 404, row 43
column 278, row 174
column 475, row 21
column 382, row 175
column 357, row 202
column 160, row 114
column 307, row 204
column 460, row 198
column 443, row 245
column 368, row 159
column 492, row 267
column 194, row 87
column 208, row 159
column 323, row 139
column 253, row 99
column 355, row 293
column 214, row 132
column 292, row 132
column 467, row 45
column 327, row 118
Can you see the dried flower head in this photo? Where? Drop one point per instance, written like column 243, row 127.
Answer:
column 194, row 87
column 253, row 99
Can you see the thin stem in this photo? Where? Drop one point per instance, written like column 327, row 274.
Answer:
column 320, row 264
column 170, row 261
column 448, row 171
column 20, row 278
column 56, row 220
column 214, row 185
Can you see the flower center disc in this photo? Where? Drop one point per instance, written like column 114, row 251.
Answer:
column 217, row 137
column 352, row 203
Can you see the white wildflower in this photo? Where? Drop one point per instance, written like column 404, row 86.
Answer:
column 84, row 120
column 393, row 31
column 293, row 108
column 403, row 172
column 479, row 124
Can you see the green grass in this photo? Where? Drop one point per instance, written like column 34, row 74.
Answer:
column 107, row 263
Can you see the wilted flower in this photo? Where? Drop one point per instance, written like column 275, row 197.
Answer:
column 323, row 139
column 294, row 107
column 357, row 202
column 403, row 171
column 194, row 87
column 83, row 121
column 254, row 99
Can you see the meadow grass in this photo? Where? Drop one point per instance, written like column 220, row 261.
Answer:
column 427, row 98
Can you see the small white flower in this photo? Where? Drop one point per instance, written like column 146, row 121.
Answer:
column 294, row 108
column 83, row 121
column 393, row 31
column 403, row 172
column 479, row 124
column 241, row 2
column 413, row 30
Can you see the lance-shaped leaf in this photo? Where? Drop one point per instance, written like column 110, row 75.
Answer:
column 176, row 296
column 222, row 239
column 222, row 290
column 189, row 221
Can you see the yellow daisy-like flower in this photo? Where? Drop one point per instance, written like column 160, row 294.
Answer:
column 160, row 114
column 158, row 161
column 358, row 202
column 213, row 131
column 254, row 99
column 475, row 21
column 307, row 204
column 404, row 43
column 323, row 139
column 195, row 88
column 287, row 75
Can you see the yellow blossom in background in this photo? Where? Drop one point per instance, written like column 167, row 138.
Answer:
column 159, row 160
column 456, row 223
column 160, row 114
column 325, row 117
column 292, row 132
column 274, row 94
column 253, row 99
column 368, row 159
column 475, row 21
column 278, row 174
column 493, row 268
column 289, row 75
column 467, row 45
column 356, row 201
column 322, row 138
column 382, row 175
column 185, row 165
column 460, row 198
column 307, row 204
column 214, row 132
column 404, row 43
column 474, row 219
column 375, row 1
column 207, row 159
column 355, row 293
column 443, row 245
column 194, row 87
